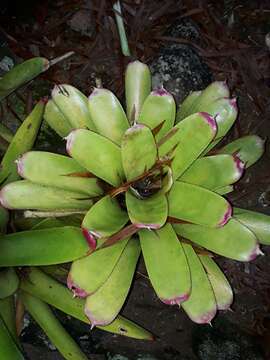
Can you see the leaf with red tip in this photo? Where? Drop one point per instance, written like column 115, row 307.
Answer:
column 104, row 305
column 247, row 148
column 232, row 240
column 148, row 213
column 139, row 151
column 257, row 222
column 221, row 287
column 213, row 172
column 56, row 170
column 201, row 305
column 104, row 218
column 97, row 154
column 225, row 112
column 86, row 275
column 166, row 264
column 198, row 205
column 185, row 145
column 24, row 194
column 159, row 106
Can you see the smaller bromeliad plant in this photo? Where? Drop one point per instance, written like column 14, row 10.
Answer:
column 145, row 180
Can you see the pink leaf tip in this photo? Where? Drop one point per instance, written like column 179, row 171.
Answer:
column 210, row 120
column 77, row 291
column 90, row 238
column 226, row 217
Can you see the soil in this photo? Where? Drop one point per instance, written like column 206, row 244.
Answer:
column 187, row 44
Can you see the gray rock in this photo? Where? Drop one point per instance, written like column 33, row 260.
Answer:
column 178, row 67
column 82, row 22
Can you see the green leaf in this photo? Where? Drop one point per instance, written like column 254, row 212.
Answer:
column 187, row 141
column 158, row 107
column 73, row 104
column 233, row 240
column 247, row 148
column 137, row 88
column 7, row 313
column 97, row 154
column 45, row 318
column 166, row 264
column 148, row 213
column 56, row 119
column 213, row 172
column 185, row 107
column 107, row 115
column 27, row 195
column 103, row 219
column 56, row 170
column 21, row 74
column 42, row 247
column 225, row 111
column 198, row 205
column 221, row 287
column 258, row 223
column 9, row 282
column 214, row 91
column 88, row 274
column 22, row 141
column 56, row 294
column 9, row 350
column 224, row 190
column 201, row 305
column 104, row 305
column 139, row 151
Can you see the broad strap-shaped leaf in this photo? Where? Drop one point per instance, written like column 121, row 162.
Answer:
column 201, row 305
column 225, row 111
column 27, row 195
column 258, row 223
column 248, row 148
column 56, row 170
column 9, row 349
column 151, row 212
column 22, row 74
column 107, row 114
column 22, row 141
column 139, row 151
column 184, row 107
column 7, row 313
column 213, row 172
column 43, row 247
column 214, row 91
column 56, row 294
column 233, row 240
column 73, row 104
column 158, row 107
column 186, row 141
column 137, row 88
column 103, row 219
column 166, row 264
column 88, row 274
column 56, row 119
column 9, row 282
column 52, row 327
column 103, row 306
column 221, row 287
column 198, row 205
column 97, row 154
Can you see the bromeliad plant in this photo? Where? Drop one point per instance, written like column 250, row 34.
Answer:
column 148, row 180
column 34, row 290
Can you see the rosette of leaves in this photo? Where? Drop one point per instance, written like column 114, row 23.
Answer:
column 145, row 180
column 34, row 289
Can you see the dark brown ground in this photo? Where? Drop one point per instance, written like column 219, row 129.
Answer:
column 231, row 41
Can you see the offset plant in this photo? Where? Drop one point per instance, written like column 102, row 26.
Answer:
column 146, row 180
